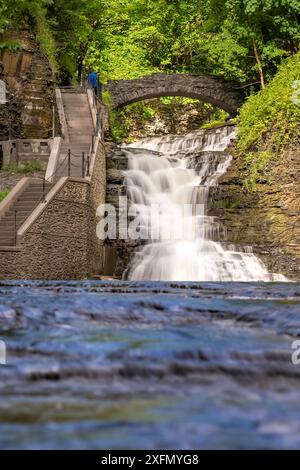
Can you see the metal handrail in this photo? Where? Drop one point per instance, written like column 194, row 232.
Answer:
column 85, row 159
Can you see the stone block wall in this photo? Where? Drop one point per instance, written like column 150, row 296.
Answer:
column 61, row 243
column 56, row 245
column 97, row 196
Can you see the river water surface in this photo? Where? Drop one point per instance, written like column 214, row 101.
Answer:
column 129, row 365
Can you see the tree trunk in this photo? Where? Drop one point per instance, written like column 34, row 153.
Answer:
column 260, row 69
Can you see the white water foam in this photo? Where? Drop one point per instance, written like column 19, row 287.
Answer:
column 160, row 175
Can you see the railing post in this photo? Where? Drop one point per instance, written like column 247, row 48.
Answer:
column 9, row 130
column 16, row 234
column 94, row 98
column 84, row 78
column 83, row 165
column 97, row 125
column 93, row 143
column 44, row 189
column 69, row 162
column 53, row 121
column 88, row 165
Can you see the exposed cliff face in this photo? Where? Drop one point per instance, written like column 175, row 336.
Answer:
column 269, row 218
column 10, row 113
column 156, row 117
column 31, row 89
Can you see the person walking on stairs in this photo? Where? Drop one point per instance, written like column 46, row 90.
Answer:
column 95, row 82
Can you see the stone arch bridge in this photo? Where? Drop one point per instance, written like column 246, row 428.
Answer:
column 223, row 94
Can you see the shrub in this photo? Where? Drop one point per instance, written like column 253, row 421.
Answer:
column 269, row 121
column 28, row 167
column 3, row 194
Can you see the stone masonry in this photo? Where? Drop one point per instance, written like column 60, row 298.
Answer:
column 214, row 90
column 62, row 243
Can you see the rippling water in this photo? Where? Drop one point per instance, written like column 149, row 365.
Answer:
column 95, row 365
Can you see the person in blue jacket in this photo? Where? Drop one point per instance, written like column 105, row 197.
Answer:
column 94, row 81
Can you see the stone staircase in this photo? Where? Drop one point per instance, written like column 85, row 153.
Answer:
column 80, row 131
column 20, row 210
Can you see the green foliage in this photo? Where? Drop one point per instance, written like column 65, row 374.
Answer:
column 218, row 117
column 271, row 107
column 258, row 162
column 22, row 12
column 126, row 122
column 261, row 31
column 3, row 194
column 244, row 40
column 17, row 13
column 26, row 168
column 217, row 37
column 46, row 39
column 122, row 120
column 223, row 204
column 169, row 100
column 10, row 45
column 270, row 120
column 117, row 126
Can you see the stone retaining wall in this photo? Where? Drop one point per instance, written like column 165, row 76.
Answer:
column 61, row 242
column 97, row 188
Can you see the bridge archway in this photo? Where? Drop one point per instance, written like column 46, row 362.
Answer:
column 214, row 90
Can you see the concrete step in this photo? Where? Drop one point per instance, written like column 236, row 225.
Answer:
column 10, row 242
column 10, row 220
column 37, row 188
column 7, row 233
column 10, row 217
column 76, row 139
column 9, row 236
column 25, row 206
column 78, row 110
column 36, row 183
column 29, row 197
column 74, row 125
column 78, row 148
column 88, row 130
column 70, row 98
column 23, row 210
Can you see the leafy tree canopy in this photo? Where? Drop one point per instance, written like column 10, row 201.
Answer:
column 244, row 40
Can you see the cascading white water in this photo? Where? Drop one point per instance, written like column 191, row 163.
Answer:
column 169, row 172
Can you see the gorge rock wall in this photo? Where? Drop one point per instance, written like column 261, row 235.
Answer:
column 269, row 217
column 174, row 116
column 30, row 85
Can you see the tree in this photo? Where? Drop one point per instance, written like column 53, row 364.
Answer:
column 267, row 29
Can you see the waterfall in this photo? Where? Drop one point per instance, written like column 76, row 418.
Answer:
column 173, row 172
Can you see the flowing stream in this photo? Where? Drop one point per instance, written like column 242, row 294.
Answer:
column 168, row 185
column 149, row 365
